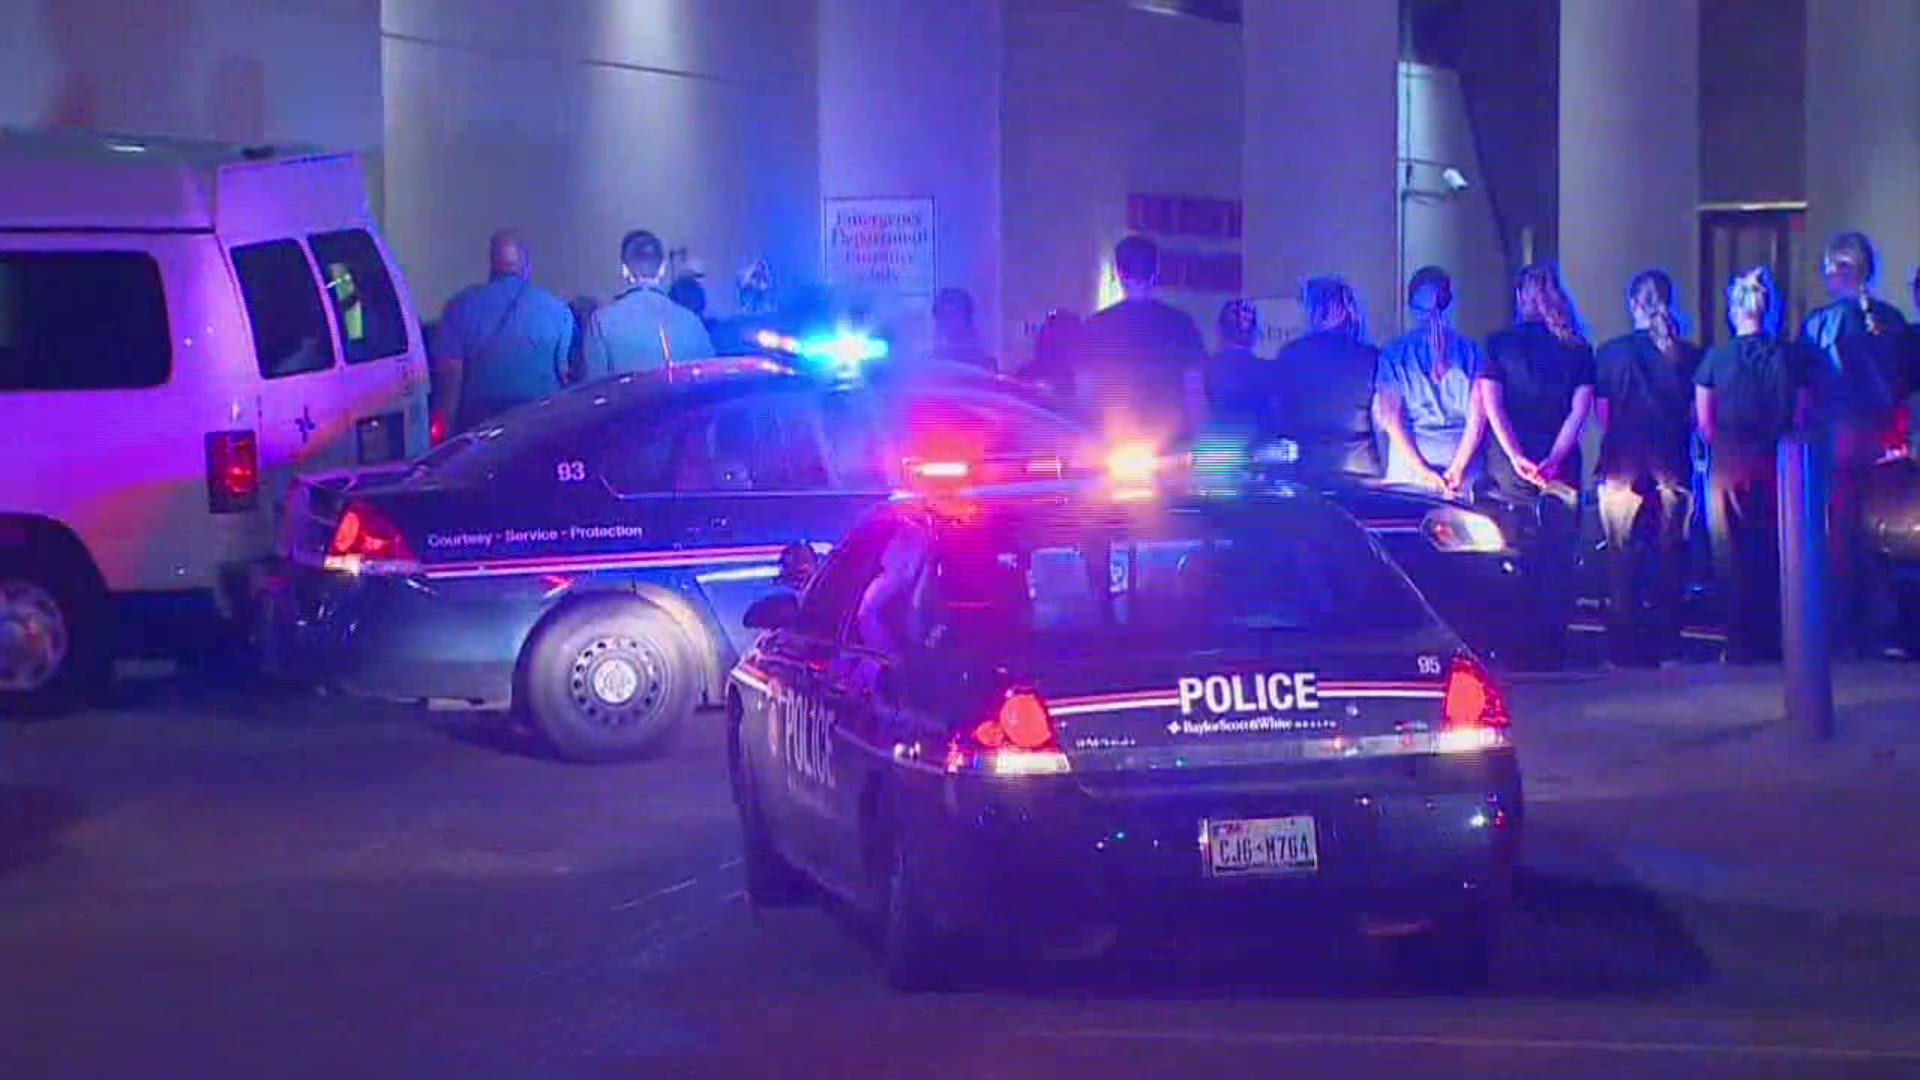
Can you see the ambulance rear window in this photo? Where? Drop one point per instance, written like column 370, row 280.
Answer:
column 1173, row 576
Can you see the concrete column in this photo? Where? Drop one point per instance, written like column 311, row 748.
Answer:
column 910, row 106
column 1863, row 134
column 1322, row 120
column 1629, row 151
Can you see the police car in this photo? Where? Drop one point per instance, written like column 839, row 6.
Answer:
column 1016, row 712
column 586, row 559
column 1891, row 504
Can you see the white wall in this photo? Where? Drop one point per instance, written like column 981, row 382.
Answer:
column 1454, row 230
column 910, row 106
column 1863, row 134
column 1101, row 102
column 239, row 70
column 1629, row 150
column 577, row 120
column 1322, row 125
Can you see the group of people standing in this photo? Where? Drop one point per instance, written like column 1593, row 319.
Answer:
column 507, row 341
column 1500, row 422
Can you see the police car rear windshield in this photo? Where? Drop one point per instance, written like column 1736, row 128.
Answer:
column 1176, row 575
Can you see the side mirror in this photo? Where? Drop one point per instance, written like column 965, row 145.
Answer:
column 798, row 562
column 776, row 612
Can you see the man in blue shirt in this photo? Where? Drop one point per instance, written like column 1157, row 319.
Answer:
column 643, row 329
column 501, row 344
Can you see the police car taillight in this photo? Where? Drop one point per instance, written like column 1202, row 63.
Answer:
column 1017, row 740
column 233, row 471
column 436, row 428
column 366, row 541
column 1473, row 711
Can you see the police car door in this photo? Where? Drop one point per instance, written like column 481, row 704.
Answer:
column 812, row 678
column 750, row 479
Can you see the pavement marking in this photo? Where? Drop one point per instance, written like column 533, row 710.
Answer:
column 731, row 863
column 638, row 901
column 1474, row 1042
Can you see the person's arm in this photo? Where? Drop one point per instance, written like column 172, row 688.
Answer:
column 563, row 356
column 1493, row 399
column 445, row 367
column 1470, row 440
column 1568, row 439
column 1703, row 413
column 596, row 359
column 1390, row 413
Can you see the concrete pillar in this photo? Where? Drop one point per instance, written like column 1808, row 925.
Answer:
column 1322, row 120
column 1629, row 151
column 1863, row 134
column 910, row 106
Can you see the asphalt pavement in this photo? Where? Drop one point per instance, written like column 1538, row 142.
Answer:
column 204, row 881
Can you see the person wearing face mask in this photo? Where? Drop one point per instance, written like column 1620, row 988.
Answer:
column 1643, row 392
column 643, row 329
column 1863, row 342
column 1423, row 398
column 1750, row 391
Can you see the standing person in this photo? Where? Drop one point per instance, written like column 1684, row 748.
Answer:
column 1423, row 394
column 1319, row 391
column 1233, row 373
column 955, row 338
column 1863, row 340
column 1139, row 361
column 643, row 329
column 1643, row 390
column 1051, row 369
column 503, row 343
column 1750, row 391
column 1536, row 386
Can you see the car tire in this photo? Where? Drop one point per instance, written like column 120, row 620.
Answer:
column 1454, row 955
column 916, row 955
column 55, row 639
column 771, row 880
column 609, row 680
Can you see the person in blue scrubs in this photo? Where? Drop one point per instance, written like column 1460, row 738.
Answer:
column 643, row 329
column 501, row 344
column 1423, row 394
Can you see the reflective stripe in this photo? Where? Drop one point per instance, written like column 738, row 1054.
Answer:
column 481, row 568
column 1131, row 700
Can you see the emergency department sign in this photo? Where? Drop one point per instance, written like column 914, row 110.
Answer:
column 879, row 243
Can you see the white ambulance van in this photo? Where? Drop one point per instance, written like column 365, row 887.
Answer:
column 182, row 327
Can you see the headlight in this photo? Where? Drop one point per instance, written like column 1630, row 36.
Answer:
column 1453, row 529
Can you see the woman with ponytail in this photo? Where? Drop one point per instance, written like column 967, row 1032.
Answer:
column 1643, row 392
column 1536, row 388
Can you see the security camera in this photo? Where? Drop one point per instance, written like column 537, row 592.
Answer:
column 1455, row 180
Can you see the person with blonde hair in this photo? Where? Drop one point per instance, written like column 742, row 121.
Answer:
column 1536, row 387
column 1643, row 393
column 1750, row 391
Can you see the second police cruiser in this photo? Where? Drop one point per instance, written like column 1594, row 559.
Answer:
column 1021, row 713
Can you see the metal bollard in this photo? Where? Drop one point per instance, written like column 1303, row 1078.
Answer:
column 1805, row 485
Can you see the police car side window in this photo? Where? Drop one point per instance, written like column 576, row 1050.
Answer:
column 366, row 308
column 835, row 594
column 290, row 332
column 770, row 442
column 857, row 450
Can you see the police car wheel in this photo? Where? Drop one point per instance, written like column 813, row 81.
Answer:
column 771, row 880
column 915, row 954
column 610, row 680
column 1452, row 956
column 53, row 648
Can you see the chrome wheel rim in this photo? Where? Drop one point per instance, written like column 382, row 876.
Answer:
column 34, row 638
column 619, row 682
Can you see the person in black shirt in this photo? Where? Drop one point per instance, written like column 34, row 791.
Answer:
column 1319, row 391
column 1051, row 370
column 1863, row 341
column 1234, row 370
column 1643, row 389
column 1139, row 361
column 1750, row 391
column 1536, row 385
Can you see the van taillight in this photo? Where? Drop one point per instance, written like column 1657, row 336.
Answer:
column 366, row 541
column 233, row 471
column 436, row 428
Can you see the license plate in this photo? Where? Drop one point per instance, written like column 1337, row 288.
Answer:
column 1262, row 847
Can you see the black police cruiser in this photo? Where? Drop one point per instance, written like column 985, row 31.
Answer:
column 587, row 559
column 1021, row 711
